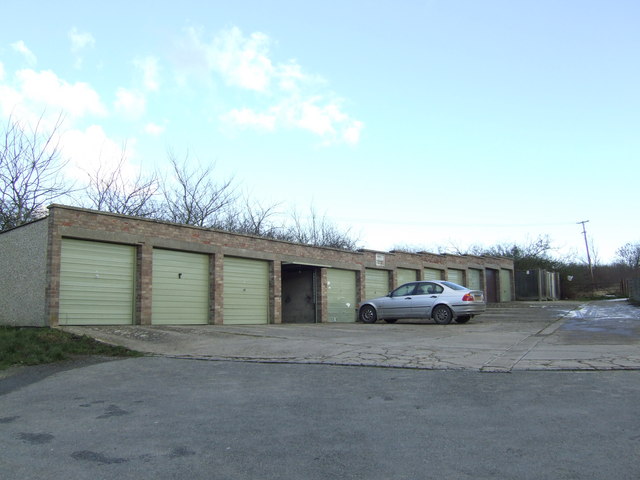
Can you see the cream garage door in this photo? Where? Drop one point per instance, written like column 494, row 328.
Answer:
column 432, row 274
column 505, row 285
column 475, row 276
column 180, row 288
column 406, row 275
column 376, row 283
column 456, row 276
column 96, row 283
column 341, row 295
column 246, row 291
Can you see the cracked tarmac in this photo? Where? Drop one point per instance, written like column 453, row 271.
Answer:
column 563, row 335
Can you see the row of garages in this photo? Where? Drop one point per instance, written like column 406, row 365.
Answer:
column 105, row 269
column 98, row 286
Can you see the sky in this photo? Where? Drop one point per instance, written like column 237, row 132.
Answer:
column 429, row 124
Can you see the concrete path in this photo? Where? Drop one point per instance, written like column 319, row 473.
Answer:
column 516, row 336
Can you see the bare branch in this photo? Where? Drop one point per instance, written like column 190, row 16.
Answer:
column 318, row 231
column 629, row 255
column 112, row 191
column 194, row 198
column 30, row 171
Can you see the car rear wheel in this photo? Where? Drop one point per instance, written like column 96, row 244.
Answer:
column 442, row 315
column 391, row 320
column 463, row 319
column 368, row 314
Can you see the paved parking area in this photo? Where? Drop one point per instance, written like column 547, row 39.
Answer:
column 276, row 415
column 602, row 335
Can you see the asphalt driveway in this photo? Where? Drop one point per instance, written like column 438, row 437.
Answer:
column 277, row 417
column 603, row 335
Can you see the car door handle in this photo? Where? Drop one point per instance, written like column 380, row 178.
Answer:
column 434, row 296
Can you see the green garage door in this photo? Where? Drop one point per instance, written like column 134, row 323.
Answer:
column 456, row 276
column 246, row 291
column 341, row 295
column 505, row 285
column 405, row 276
column 376, row 283
column 475, row 282
column 96, row 283
column 432, row 274
column 180, row 288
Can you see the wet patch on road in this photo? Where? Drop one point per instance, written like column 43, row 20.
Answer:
column 113, row 411
column 36, row 438
column 603, row 323
column 90, row 456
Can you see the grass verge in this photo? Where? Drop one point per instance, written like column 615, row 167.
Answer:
column 34, row 346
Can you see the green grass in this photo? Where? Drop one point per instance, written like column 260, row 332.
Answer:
column 34, row 346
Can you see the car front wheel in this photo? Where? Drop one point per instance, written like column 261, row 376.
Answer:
column 368, row 314
column 442, row 315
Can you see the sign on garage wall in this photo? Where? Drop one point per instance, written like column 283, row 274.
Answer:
column 341, row 295
column 180, row 288
column 96, row 283
column 376, row 283
column 246, row 291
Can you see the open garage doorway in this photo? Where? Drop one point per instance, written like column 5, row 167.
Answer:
column 299, row 293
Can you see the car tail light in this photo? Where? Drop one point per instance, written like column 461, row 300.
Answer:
column 467, row 297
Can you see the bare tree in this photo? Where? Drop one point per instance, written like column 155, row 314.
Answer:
column 193, row 197
column 629, row 255
column 319, row 231
column 251, row 218
column 30, row 171
column 111, row 191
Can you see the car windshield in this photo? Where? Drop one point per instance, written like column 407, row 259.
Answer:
column 454, row 286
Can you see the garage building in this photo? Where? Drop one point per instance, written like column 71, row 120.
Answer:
column 83, row 267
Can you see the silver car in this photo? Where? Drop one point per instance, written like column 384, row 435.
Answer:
column 443, row 301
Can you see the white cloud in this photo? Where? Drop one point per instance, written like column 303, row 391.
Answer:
column 11, row 102
column 45, row 89
column 243, row 61
column 318, row 119
column 91, row 149
column 290, row 77
column 246, row 117
column 154, row 129
column 240, row 61
column 2, row 74
column 351, row 134
column 130, row 103
column 22, row 49
column 79, row 42
column 325, row 120
column 148, row 66
column 287, row 96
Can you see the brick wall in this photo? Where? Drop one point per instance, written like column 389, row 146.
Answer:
column 147, row 234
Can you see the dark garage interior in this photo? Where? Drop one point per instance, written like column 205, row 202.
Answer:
column 299, row 293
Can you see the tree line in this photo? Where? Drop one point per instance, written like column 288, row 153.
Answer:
column 32, row 176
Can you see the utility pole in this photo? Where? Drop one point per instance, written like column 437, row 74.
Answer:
column 586, row 244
